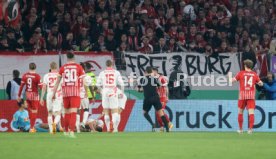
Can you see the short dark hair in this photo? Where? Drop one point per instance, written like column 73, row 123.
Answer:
column 149, row 69
column 108, row 63
column 155, row 69
column 88, row 65
column 32, row 66
column 248, row 63
column 16, row 73
column 20, row 103
column 99, row 129
column 70, row 55
column 82, row 65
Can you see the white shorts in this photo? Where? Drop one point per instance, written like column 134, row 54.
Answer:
column 122, row 101
column 109, row 99
column 54, row 105
column 84, row 103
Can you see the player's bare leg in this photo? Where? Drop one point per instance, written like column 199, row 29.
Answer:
column 148, row 118
column 78, row 121
column 72, row 124
column 33, row 114
column 56, row 121
column 161, row 114
column 115, row 119
column 67, row 116
column 251, row 120
column 106, row 119
column 240, row 120
column 50, row 122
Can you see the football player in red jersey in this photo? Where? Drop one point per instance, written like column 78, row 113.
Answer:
column 32, row 82
column 247, row 79
column 164, row 97
column 70, row 73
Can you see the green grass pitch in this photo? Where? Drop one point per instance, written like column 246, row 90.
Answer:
column 183, row 145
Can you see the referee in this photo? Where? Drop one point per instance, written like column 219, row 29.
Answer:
column 149, row 85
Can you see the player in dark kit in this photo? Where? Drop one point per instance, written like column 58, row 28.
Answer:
column 149, row 85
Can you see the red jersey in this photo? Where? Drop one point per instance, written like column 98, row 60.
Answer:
column 247, row 80
column 32, row 82
column 71, row 74
column 162, row 91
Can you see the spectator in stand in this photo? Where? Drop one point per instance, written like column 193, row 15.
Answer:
column 146, row 46
column 38, row 42
column 54, row 39
column 161, row 47
column 270, row 87
column 100, row 45
column 110, row 42
column 2, row 31
column 133, row 40
column 249, row 54
column 69, row 44
column 172, row 45
column 11, row 39
column 84, row 46
column 4, row 46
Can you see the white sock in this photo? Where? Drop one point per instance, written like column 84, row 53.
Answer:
column 85, row 117
column 50, row 122
column 57, row 119
column 115, row 120
column 59, row 125
column 78, row 123
column 107, row 122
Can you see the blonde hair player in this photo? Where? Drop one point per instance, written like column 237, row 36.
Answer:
column 53, row 106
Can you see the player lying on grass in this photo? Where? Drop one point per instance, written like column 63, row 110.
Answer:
column 247, row 79
column 21, row 119
column 93, row 125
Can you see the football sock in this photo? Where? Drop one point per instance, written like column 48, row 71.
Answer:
column 240, row 120
column 159, row 120
column 32, row 119
column 251, row 121
column 146, row 115
column 50, row 122
column 73, row 121
column 115, row 120
column 57, row 119
column 85, row 117
column 167, row 117
column 77, row 121
column 165, row 123
column 67, row 121
column 107, row 122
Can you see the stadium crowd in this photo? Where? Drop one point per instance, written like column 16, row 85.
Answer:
column 148, row 26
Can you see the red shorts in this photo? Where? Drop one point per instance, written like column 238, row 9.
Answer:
column 247, row 103
column 33, row 104
column 71, row 102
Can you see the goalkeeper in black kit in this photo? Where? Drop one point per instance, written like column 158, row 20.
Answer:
column 149, row 86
